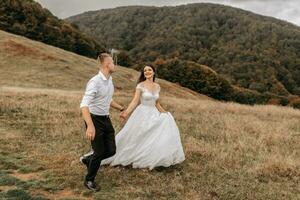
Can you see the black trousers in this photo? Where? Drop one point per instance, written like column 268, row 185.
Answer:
column 103, row 145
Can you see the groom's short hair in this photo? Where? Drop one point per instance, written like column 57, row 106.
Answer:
column 102, row 57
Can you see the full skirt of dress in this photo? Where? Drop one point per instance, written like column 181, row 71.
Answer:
column 148, row 139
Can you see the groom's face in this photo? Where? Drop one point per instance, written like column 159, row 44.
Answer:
column 110, row 64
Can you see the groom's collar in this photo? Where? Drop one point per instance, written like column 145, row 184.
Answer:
column 103, row 76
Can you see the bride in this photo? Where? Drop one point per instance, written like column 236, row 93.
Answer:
column 150, row 137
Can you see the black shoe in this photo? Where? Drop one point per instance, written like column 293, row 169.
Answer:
column 91, row 185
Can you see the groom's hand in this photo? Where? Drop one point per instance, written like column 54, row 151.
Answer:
column 90, row 133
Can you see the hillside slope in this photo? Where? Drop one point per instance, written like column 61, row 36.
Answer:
column 27, row 63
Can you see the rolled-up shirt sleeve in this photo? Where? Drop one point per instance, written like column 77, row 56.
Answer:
column 89, row 94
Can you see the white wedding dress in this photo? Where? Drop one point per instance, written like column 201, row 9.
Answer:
column 149, row 138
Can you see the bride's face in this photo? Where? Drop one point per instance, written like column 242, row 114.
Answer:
column 148, row 72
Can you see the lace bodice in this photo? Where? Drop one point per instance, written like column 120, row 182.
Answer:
column 148, row 97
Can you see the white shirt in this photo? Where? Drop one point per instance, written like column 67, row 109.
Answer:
column 98, row 94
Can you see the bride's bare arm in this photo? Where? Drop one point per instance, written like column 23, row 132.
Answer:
column 159, row 107
column 134, row 102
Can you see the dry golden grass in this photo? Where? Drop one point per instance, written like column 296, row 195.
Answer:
column 26, row 63
column 232, row 151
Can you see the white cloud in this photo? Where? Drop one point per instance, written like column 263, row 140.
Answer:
column 288, row 10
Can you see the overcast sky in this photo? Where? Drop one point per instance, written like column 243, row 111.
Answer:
column 288, row 10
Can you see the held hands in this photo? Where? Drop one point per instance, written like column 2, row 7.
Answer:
column 90, row 133
column 123, row 115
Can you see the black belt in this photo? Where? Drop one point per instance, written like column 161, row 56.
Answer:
column 100, row 116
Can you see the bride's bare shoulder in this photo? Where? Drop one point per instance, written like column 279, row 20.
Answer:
column 157, row 85
column 140, row 86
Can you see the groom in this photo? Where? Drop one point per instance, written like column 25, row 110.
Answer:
column 95, row 106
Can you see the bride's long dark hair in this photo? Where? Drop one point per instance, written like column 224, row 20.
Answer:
column 142, row 75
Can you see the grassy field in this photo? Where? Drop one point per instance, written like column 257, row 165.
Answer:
column 232, row 151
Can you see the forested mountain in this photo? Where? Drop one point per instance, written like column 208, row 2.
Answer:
column 224, row 52
column 28, row 18
column 250, row 51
